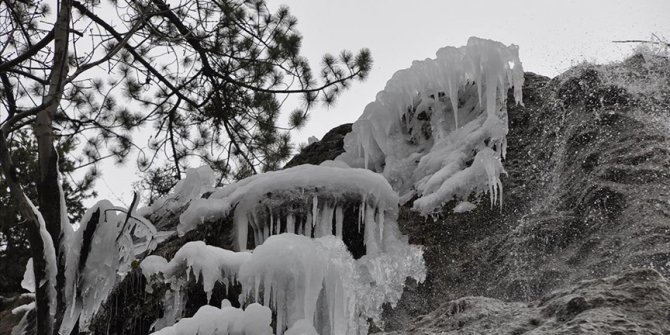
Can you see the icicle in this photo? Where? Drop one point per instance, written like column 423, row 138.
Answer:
column 370, row 231
column 266, row 233
column 315, row 210
column 257, row 285
column 258, row 236
column 380, row 223
column 279, row 308
column 242, row 225
column 272, row 227
column 290, row 223
column 339, row 220
column 308, row 225
column 267, row 289
column 325, row 226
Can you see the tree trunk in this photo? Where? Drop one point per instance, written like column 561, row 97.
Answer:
column 40, row 262
column 48, row 190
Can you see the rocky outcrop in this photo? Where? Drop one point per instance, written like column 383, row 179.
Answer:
column 636, row 302
column 586, row 196
column 329, row 147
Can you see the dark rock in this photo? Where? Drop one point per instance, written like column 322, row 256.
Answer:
column 8, row 319
column 634, row 302
column 329, row 147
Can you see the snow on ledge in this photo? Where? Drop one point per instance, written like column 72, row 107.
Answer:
column 251, row 197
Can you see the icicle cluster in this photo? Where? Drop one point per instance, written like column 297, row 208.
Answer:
column 433, row 119
column 295, row 273
column 305, row 199
column 210, row 263
column 306, row 281
column 300, row 266
column 114, row 241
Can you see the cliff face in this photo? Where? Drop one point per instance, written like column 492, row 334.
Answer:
column 586, row 196
column 329, row 147
column 635, row 302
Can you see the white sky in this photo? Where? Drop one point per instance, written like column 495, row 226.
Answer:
column 552, row 36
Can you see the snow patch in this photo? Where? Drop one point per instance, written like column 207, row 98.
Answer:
column 197, row 181
column 464, row 206
column 209, row 320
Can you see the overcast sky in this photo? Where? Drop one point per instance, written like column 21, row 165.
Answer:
column 552, row 36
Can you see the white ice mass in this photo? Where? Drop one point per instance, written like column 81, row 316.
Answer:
column 227, row 320
column 435, row 134
column 437, row 130
column 304, row 280
column 299, row 265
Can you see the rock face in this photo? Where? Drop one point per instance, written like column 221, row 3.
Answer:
column 587, row 196
column 636, row 302
column 330, row 146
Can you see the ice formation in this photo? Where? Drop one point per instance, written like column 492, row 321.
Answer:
column 99, row 256
column 210, row 263
column 49, row 257
column 305, row 199
column 197, row 181
column 300, row 266
column 436, row 117
column 301, row 327
column 436, row 133
column 293, row 272
column 227, row 320
column 306, row 281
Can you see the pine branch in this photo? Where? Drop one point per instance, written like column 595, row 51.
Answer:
column 4, row 66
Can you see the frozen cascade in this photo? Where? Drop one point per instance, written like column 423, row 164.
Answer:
column 432, row 119
column 195, row 258
column 273, row 202
column 100, row 254
column 300, row 266
column 304, row 280
column 289, row 272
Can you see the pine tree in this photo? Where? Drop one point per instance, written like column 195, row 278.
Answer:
column 208, row 76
